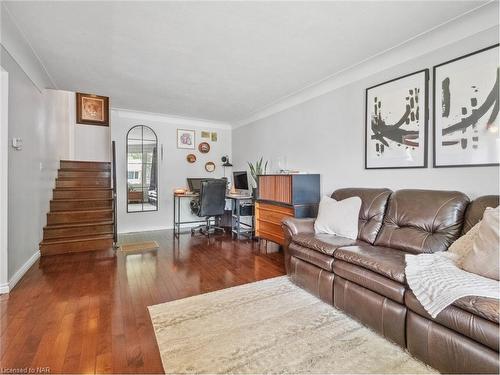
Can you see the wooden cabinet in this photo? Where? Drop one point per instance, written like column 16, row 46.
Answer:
column 281, row 196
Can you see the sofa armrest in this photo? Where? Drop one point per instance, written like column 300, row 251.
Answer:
column 292, row 226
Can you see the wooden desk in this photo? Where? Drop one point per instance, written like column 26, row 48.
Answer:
column 237, row 227
column 281, row 196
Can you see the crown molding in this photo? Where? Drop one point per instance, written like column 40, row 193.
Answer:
column 470, row 23
column 171, row 119
column 14, row 41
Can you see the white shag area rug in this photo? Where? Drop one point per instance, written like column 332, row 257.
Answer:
column 270, row 327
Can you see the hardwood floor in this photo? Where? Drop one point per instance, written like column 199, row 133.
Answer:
column 87, row 312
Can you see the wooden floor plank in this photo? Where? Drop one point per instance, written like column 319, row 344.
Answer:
column 87, row 312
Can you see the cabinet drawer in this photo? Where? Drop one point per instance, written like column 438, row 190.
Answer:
column 274, row 207
column 273, row 214
column 270, row 228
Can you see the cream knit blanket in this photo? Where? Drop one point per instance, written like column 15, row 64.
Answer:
column 437, row 282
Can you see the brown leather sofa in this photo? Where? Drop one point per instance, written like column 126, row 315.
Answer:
column 366, row 277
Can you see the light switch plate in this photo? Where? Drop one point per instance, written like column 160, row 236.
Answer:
column 17, row 144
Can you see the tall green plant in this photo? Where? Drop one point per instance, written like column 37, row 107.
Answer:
column 256, row 169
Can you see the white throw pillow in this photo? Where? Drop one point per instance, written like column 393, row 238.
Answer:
column 338, row 217
column 484, row 256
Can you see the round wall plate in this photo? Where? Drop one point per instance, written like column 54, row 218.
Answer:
column 210, row 166
column 204, row 147
column 191, row 158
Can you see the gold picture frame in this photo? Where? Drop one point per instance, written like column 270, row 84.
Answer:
column 92, row 109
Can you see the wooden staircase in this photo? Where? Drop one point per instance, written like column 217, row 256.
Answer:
column 81, row 210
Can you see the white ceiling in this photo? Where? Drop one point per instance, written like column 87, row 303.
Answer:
column 219, row 61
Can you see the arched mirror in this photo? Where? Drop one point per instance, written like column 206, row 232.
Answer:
column 142, row 169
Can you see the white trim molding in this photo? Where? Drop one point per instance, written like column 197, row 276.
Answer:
column 7, row 287
column 480, row 19
column 4, row 166
column 173, row 119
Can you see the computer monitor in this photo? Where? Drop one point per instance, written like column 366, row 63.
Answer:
column 240, row 180
column 194, row 183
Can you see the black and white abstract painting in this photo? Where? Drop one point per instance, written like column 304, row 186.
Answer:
column 466, row 110
column 396, row 123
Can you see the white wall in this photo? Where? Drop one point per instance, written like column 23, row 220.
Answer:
column 84, row 142
column 33, row 169
column 173, row 169
column 19, row 49
column 326, row 135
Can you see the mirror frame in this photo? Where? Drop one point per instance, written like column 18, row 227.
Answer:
column 157, row 166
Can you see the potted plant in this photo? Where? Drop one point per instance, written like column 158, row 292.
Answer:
column 256, row 170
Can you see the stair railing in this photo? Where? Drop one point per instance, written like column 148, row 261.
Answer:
column 115, row 218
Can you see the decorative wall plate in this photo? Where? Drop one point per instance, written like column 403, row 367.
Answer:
column 210, row 166
column 191, row 158
column 204, row 147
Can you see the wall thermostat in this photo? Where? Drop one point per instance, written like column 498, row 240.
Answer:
column 17, row 144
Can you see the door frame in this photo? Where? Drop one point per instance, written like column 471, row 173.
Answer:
column 4, row 167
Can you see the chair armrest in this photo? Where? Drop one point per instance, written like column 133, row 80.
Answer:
column 292, row 226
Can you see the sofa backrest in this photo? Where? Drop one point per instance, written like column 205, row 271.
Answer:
column 423, row 221
column 475, row 210
column 371, row 214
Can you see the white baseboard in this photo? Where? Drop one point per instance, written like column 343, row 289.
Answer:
column 6, row 288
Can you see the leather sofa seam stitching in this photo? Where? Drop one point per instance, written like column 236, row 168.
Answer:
column 439, row 209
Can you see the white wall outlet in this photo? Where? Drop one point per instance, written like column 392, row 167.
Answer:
column 17, row 144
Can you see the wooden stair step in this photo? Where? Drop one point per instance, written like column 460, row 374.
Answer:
column 92, row 165
column 77, row 230
column 73, row 245
column 79, row 193
column 83, row 188
column 76, row 225
column 80, row 204
column 81, row 216
column 85, row 182
column 82, row 173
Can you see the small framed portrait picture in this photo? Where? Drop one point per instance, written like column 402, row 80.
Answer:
column 185, row 139
column 92, row 109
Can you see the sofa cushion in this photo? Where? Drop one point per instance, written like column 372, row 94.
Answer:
column 422, row 221
column 475, row 210
column 370, row 280
column 371, row 214
column 324, row 243
column 487, row 308
column 382, row 260
column 311, row 256
column 468, row 324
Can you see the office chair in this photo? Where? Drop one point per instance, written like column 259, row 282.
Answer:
column 210, row 205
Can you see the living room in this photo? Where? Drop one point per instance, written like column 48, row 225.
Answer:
column 249, row 187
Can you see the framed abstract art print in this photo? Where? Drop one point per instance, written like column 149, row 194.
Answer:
column 466, row 110
column 396, row 122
